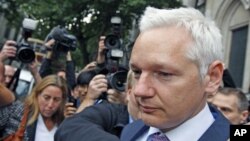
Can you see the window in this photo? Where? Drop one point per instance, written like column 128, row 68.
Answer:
column 237, row 54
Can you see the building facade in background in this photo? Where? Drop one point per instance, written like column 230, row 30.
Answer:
column 233, row 18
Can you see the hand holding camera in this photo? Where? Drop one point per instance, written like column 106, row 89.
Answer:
column 97, row 86
column 17, row 51
column 49, row 44
column 8, row 51
column 62, row 40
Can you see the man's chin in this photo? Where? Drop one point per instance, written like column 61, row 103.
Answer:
column 150, row 119
column 157, row 122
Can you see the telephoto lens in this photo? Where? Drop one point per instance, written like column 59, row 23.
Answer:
column 25, row 53
column 117, row 80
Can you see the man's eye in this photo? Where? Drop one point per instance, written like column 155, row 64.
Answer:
column 136, row 73
column 226, row 110
column 164, row 75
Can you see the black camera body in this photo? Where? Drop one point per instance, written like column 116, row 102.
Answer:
column 64, row 41
column 115, row 74
column 113, row 41
column 25, row 53
column 117, row 80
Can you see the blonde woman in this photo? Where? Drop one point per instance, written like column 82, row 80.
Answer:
column 45, row 104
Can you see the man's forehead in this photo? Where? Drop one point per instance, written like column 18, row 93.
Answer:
column 226, row 98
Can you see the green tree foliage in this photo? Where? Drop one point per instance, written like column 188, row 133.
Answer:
column 72, row 14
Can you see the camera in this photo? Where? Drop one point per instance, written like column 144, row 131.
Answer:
column 113, row 41
column 115, row 71
column 117, row 80
column 116, row 75
column 64, row 41
column 25, row 52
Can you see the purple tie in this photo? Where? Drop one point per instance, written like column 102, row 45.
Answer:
column 157, row 137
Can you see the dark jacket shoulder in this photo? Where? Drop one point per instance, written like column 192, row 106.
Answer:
column 99, row 122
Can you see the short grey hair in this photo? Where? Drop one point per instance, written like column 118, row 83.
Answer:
column 241, row 96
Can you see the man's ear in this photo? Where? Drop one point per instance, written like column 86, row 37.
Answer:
column 244, row 116
column 214, row 76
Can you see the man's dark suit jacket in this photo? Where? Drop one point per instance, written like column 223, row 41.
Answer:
column 101, row 122
column 218, row 131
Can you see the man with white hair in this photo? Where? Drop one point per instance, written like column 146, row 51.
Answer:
column 177, row 62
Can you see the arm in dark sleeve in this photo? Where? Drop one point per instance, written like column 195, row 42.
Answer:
column 70, row 74
column 45, row 68
column 227, row 79
column 95, row 123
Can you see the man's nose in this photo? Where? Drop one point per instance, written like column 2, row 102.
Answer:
column 143, row 87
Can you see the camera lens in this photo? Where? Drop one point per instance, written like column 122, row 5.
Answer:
column 112, row 41
column 26, row 54
column 117, row 80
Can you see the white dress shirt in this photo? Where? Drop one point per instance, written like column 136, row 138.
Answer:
column 42, row 132
column 191, row 129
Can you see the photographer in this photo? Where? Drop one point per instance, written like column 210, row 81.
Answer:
column 79, row 92
column 96, row 90
column 9, row 51
column 103, row 121
column 97, row 86
column 91, row 94
column 100, row 83
column 7, row 71
column 55, row 45
column 67, row 73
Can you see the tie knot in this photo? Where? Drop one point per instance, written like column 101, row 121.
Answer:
column 158, row 136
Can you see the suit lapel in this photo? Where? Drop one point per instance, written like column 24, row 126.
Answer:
column 219, row 130
column 135, row 130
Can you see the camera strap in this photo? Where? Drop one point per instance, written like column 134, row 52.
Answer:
column 16, row 78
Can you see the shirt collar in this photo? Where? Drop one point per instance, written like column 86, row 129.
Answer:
column 192, row 129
